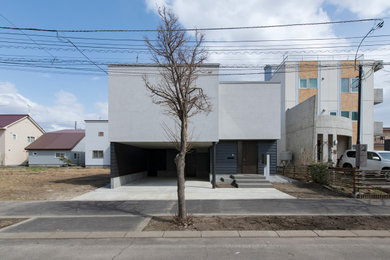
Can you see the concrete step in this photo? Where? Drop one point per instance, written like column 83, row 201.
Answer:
column 254, row 185
column 251, row 180
column 247, row 176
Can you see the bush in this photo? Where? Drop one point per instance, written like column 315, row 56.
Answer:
column 319, row 173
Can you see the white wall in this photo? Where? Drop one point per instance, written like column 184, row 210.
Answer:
column 15, row 154
column 249, row 110
column 329, row 83
column 95, row 142
column 133, row 117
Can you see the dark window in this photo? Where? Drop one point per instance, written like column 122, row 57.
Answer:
column 303, row 83
column 354, row 115
column 351, row 154
column 97, row 154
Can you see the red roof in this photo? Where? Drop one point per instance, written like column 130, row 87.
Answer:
column 6, row 120
column 58, row 140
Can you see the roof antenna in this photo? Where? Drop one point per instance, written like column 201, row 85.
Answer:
column 136, row 59
column 75, row 125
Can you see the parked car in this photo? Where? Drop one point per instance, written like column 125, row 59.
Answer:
column 376, row 160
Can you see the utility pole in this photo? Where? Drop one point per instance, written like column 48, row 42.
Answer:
column 361, row 150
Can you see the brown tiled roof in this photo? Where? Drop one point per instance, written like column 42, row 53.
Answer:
column 6, row 120
column 58, row 140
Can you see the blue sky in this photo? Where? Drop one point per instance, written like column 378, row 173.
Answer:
column 56, row 100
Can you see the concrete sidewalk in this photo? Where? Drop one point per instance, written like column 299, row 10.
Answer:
column 165, row 189
column 202, row 207
column 201, row 234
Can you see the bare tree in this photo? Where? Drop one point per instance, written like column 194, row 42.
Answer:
column 179, row 58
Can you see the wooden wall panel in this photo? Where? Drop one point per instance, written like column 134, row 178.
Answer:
column 308, row 69
column 354, row 132
column 349, row 101
column 348, row 69
column 306, row 93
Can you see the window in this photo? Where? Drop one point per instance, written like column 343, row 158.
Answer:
column 35, row 153
column 30, row 139
column 345, row 114
column 349, row 85
column 313, row 83
column 59, row 155
column 308, row 83
column 373, row 156
column 354, row 85
column 14, row 136
column 333, row 113
column 354, row 115
column 345, row 85
column 75, row 156
column 97, row 154
column 100, row 133
column 351, row 154
column 303, row 83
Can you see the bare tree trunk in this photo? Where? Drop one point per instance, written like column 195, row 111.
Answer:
column 180, row 165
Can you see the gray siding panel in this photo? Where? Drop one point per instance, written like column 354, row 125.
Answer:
column 226, row 161
column 267, row 147
column 46, row 157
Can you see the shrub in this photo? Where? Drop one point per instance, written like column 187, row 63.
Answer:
column 319, row 173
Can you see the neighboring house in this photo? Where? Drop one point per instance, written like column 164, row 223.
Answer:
column 16, row 132
column 97, row 144
column 243, row 125
column 306, row 131
column 51, row 147
column 334, row 83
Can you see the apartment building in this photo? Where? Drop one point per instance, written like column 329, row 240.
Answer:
column 334, row 83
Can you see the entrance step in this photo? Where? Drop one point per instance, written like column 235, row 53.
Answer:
column 250, row 181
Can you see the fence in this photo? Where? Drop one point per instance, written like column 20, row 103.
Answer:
column 359, row 183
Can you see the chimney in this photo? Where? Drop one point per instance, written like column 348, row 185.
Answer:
column 267, row 73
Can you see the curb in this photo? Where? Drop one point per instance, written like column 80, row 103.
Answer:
column 201, row 234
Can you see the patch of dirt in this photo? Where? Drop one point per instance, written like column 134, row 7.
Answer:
column 5, row 222
column 49, row 183
column 303, row 190
column 203, row 223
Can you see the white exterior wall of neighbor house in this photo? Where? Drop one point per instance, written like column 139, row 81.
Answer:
column 258, row 101
column 131, row 107
column 14, row 153
column 96, row 142
column 2, row 146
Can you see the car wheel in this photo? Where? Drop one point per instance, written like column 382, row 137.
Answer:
column 347, row 165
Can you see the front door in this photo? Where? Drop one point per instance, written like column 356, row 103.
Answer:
column 249, row 157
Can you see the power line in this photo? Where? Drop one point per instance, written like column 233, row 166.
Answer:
column 191, row 29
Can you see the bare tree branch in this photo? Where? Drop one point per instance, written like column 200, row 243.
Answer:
column 179, row 61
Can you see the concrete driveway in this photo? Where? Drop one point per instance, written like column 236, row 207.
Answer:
column 165, row 189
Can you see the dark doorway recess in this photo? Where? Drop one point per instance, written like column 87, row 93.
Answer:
column 249, row 157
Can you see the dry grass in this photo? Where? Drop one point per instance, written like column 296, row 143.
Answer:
column 49, row 183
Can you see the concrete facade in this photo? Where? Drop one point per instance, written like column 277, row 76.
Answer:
column 130, row 107
column 14, row 138
column 97, row 139
column 312, row 137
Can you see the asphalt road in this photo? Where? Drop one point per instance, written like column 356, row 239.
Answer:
column 232, row 207
column 200, row 248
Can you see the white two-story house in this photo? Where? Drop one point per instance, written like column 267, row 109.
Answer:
column 243, row 125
